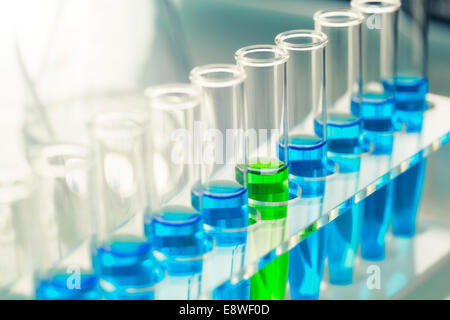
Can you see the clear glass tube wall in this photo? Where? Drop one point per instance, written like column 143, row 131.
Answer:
column 223, row 91
column 305, row 99
column 266, row 114
column 379, row 54
column 343, row 75
column 175, row 142
column 63, row 268
column 121, row 253
column 411, row 81
column 16, row 208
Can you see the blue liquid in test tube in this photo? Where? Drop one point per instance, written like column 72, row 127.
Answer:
column 306, row 151
column 56, row 288
column 224, row 204
column 177, row 232
column 126, row 264
column 376, row 108
column 377, row 113
column 306, row 266
column 410, row 107
column 343, row 134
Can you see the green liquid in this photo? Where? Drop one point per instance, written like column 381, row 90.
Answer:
column 268, row 182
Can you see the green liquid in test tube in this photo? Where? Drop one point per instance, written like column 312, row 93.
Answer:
column 266, row 176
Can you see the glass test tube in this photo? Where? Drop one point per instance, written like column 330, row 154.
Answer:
column 379, row 58
column 411, row 83
column 63, row 268
column 411, row 88
column 222, row 201
column 344, row 130
column 379, row 47
column 16, row 206
column 121, row 254
column 173, row 227
column 267, row 162
column 306, row 106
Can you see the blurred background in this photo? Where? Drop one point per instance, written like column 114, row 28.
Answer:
column 63, row 60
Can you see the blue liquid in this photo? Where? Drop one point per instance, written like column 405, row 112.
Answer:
column 343, row 136
column 410, row 101
column 343, row 240
column 306, row 262
column 307, row 159
column 224, row 204
column 343, row 132
column 239, row 291
column 377, row 113
column 376, row 218
column 126, row 265
column 177, row 232
column 62, row 286
column 410, row 106
column 409, row 93
column 407, row 193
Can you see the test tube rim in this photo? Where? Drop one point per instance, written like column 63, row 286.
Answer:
column 366, row 8
column 99, row 128
column 42, row 168
column 196, row 75
column 190, row 90
column 281, row 56
column 281, row 38
column 322, row 17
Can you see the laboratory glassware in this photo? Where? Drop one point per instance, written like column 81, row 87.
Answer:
column 16, row 207
column 121, row 254
column 411, row 85
column 344, row 81
column 77, row 69
column 172, row 225
column 309, row 167
column 63, row 268
column 376, row 109
column 267, row 176
column 222, row 201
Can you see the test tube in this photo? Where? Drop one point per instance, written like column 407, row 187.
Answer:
column 306, row 275
column 267, row 159
column 344, row 130
column 411, row 88
column 379, row 48
column 222, row 201
column 121, row 254
column 306, row 106
column 172, row 225
column 379, row 57
column 16, row 207
column 307, row 148
column 63, row 268
column 411, row 83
